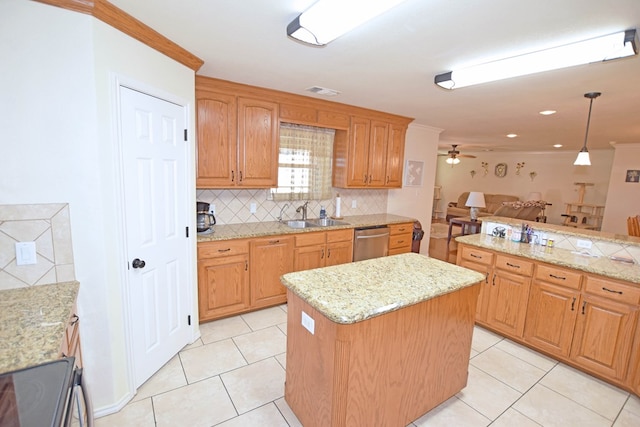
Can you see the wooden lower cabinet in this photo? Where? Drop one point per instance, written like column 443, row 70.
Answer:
column 482, row 262
column 71, row 341
column 400, row 238
column 322, row 249
column 271, row 257
column 604, row 331
column 554, row 300
column 223, row 279
column 509, row 294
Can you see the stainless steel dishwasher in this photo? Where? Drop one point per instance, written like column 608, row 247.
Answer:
column 370, row 242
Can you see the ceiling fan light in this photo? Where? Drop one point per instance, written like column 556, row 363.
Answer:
column 453, row 160
column 599, row 49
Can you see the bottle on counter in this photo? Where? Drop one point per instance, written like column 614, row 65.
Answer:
column 323, row 212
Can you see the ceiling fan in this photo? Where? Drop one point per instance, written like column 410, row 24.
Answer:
column 453, row 155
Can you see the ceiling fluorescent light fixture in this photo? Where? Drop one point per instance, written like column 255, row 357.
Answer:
column 327, row 20
column 612, row 46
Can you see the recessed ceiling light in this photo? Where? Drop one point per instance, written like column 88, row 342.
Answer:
column 547, row 112
column 557, row 145
column 512, row 135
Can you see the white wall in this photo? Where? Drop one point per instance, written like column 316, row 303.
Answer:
column 623, row 198
column 58, row 143
column 421, row 144
column 555, row 177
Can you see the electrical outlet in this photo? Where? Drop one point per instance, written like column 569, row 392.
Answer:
column 584, row 244
column 212, row 209
column 252, row 208
column 354, row 204
column 308, row 323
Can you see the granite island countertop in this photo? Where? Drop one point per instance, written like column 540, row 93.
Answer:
column 357, row 291
column 602, row 265
column 271, row 228
column 33, row 321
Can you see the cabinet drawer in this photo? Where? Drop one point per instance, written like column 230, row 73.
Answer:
column 400, row 250
column 400, row 228
column 222, row 248
column 558, row 276
column 612, row 290
column 308, row 239
column 340, row 235
column 514, row 265
column 477, row 255
column 400, row 241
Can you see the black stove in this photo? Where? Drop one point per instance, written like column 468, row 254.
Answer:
column 36, row 396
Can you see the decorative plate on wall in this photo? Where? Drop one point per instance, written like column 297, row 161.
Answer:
column 501, row 170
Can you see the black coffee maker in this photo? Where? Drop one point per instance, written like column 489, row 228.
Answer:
column 205, row 219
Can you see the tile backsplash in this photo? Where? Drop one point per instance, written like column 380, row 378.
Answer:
column 234, row 206
column 49, row 227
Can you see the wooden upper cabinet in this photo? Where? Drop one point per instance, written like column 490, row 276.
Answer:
column 258, row 132
column 216, row 142
column 395, row 156
column 371, row 156
column 302, row 114
column 237, row 141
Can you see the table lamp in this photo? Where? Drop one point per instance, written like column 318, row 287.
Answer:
column 475, row 201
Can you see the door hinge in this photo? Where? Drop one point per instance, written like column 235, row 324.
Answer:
column 186, row 230
column 185, row 135
column 189, row 320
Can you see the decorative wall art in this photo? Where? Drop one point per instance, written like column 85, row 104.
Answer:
column 473, row 173
column 633, row 175
column 485, row 166
column 532, row 175
column 501, row 170
column 518, row 167
column 413, row 173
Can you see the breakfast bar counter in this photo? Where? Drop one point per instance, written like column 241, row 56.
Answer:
column 377, row 342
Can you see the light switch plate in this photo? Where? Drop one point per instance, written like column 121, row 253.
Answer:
column 252, row 208
column 354, row 204
column 584, row 244
column 26, row 253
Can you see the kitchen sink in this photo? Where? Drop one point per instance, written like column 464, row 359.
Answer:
column 326, row 222
column 300, row 224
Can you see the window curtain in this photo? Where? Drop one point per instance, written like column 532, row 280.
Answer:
column 304, row 163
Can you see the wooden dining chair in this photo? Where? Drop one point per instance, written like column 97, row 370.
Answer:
column 633, row 225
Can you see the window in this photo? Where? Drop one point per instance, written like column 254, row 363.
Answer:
column 304, row 163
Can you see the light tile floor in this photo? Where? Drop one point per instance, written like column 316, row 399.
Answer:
column 234, row 376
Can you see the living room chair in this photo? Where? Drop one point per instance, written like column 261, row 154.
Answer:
column 633, row 225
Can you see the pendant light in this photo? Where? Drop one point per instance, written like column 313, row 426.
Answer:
column 583, row 155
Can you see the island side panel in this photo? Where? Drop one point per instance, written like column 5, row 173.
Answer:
column 387, row 370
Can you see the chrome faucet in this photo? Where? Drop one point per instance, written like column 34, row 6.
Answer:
column 303, row 208
column 281, row 211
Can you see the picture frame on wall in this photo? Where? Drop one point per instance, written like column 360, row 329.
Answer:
column 413, row 173
column 633, row 175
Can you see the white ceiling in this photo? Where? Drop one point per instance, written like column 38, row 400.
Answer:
column 389, row 63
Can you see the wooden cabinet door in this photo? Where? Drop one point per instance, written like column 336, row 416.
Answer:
column 308, row 257
column 270, row 259
column 483, row 297
column 551, row 317
column 508, row 297
column 223, row 286
column 258, row 131
column 395, row 156
column 216, row 141
column 377, row 161
column 357, row 167
column 339, row 253
column 603, row 336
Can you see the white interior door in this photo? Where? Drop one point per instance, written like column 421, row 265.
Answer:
column 155, row 189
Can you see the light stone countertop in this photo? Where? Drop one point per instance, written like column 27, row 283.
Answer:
column 357, row 291
column 603, row 266
column 33, row 321
column 271, row 228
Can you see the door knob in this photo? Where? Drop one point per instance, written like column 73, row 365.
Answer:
column 138, row 263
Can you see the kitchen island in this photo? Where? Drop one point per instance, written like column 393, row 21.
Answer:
column 377, row 342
